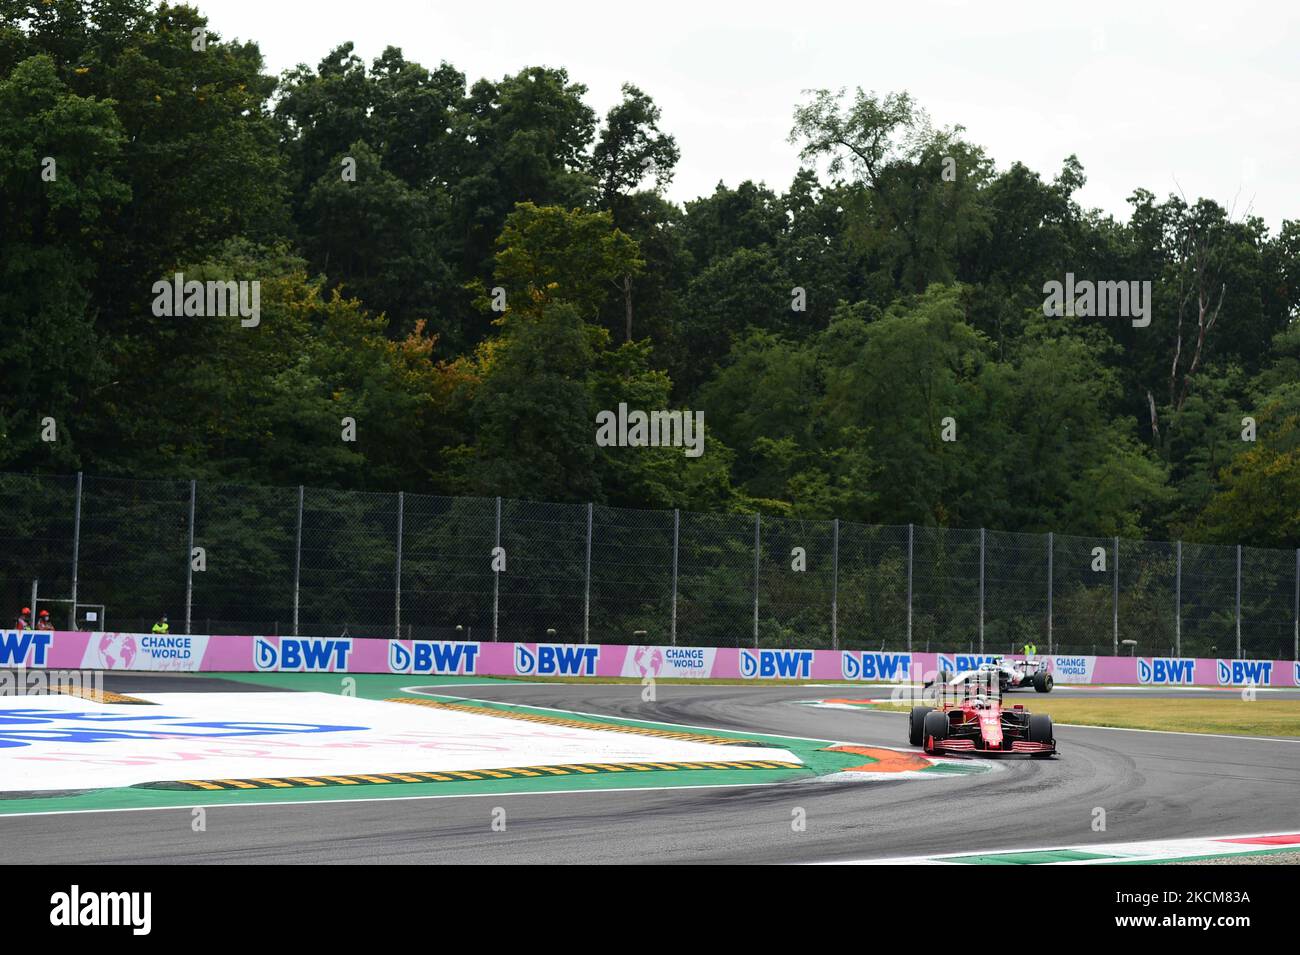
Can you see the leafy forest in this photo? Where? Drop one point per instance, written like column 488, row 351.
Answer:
column 472, row 268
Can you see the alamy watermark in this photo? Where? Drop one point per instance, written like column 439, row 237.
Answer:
column 75, row 907
column 1088, row 299
column 175, row 297
column 654, row 429
column 41, row 682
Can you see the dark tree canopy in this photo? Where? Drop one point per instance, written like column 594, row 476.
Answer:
column 473, row 268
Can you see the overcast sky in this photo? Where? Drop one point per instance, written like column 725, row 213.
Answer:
column 1199, row 96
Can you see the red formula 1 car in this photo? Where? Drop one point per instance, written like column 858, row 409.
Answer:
column 980, row 725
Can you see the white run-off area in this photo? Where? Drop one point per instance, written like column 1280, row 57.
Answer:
column 63, row 742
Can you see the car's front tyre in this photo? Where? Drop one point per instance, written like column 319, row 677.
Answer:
column 1040, row 728
column 935, row 726
column 916, row 724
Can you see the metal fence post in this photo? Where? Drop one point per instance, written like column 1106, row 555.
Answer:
column 586, row 590
column 297, row 562
column 981, row 590
column 397, row 608
column 1050, row 649
column 76, row 552
column 1238, row 601
column 835, row 584
column 909, row 588
column 496, row 576
column 1115, row 605
column 677, row 520
column 758, row 523
column 1178, row 600
column 189, row 562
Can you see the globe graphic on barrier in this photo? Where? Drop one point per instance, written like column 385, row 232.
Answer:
column 117, row 650
column 649, row 660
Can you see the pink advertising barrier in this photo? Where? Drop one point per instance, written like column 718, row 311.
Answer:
column 67, row 650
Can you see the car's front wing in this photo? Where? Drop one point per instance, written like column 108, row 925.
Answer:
column 968, row 746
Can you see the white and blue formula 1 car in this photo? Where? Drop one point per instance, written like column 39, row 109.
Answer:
column 1010, row 675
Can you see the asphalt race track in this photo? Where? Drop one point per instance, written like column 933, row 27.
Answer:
column 1152, row 786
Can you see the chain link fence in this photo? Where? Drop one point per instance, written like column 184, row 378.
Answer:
column 220, row 558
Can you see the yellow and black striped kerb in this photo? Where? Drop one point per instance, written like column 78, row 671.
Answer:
column 99, row 696
column 579, row 723
column 453, row 776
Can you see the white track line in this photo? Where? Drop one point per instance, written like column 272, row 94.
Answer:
column 1127, row 729
column 1145, row 851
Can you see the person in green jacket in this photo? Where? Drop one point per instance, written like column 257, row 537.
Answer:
column 161, row 626
column 1030, row 651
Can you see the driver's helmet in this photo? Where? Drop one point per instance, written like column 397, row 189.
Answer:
column 980, row 702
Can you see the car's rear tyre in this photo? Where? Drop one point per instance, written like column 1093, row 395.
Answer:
column 1043, row 681
column 935, row 725
column 916, row 724
column 943, row 676
column 1040, row 728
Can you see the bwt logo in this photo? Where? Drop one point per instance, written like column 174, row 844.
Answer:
column 961, row 662
column 556, row 659
column 26, row 649
column 1245, row 672
column 766, row 664
column 303, row 654
column 1160, row 671
column 867, row 665
column 433, row 656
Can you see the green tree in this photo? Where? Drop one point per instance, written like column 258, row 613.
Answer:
column 1261, row 487
column 629, row 150
column 61, row 184
column 547, row 254
column 528, row 136
column 376, row 236
column 747, row 289
column 918, row 205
